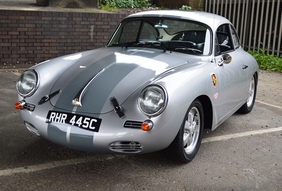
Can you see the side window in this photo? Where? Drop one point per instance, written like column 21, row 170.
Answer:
column 235, row 38
column 223, row 39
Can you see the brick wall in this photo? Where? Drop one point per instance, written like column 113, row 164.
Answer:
column 34, row 36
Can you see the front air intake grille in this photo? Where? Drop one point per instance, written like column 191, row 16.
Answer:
column 133, row 124
column 126, row 147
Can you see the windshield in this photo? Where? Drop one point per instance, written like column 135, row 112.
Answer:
column 168, row 34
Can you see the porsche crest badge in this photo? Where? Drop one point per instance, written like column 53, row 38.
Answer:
column 213, row 77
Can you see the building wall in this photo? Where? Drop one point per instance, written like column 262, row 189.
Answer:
column 34, row 36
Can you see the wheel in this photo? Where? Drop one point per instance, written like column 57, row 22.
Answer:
column 188, row 140
column 248, row 106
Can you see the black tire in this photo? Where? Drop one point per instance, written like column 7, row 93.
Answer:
column 186, row 143
column 248, row 106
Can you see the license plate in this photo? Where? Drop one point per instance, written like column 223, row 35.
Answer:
column 81, row 121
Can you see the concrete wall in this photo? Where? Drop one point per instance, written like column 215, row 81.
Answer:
column 34, row 36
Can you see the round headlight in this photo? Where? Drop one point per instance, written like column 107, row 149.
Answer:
column 27, row 83
column 152, row 100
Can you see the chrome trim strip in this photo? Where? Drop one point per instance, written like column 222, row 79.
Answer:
column 77, row 100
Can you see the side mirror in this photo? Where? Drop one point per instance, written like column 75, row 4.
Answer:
column 226, row 58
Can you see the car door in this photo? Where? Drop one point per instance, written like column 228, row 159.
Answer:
column 230, row 74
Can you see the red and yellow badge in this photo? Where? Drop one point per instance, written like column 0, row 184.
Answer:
column 213, row 77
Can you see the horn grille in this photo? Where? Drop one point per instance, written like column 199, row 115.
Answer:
column 133, row 124
column 126, row 147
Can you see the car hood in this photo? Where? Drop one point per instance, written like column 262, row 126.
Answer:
column 98, row 75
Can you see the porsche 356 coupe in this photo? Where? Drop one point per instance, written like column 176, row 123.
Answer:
column 162, row 78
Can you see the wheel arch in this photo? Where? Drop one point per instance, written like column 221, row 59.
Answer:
column 256, row 77
column 208, row 113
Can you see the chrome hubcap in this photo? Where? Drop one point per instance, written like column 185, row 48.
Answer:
column 191, row 130
column 251, row 93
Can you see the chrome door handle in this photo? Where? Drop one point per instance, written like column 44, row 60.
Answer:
column 245, row 67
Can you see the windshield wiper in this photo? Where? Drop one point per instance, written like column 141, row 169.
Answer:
column 194, row 50
column 125, row 45
column 151, row 42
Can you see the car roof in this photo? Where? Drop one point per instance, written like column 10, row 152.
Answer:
column 209, row 19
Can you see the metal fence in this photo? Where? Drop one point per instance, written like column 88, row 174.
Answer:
column 258, row 22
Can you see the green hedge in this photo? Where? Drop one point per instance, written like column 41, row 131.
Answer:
column 267, row 61
column 117, row 4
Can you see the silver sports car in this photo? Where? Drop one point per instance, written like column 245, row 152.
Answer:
column 163, row 77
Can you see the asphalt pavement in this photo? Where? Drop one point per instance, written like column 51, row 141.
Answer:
column 244, row 153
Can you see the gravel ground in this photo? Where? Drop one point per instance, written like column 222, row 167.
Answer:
column 18, row 3
column 31, row 5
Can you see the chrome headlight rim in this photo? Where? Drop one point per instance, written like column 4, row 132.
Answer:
column 164, row 97
column 36, row 83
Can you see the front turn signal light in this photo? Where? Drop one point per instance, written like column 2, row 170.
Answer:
column 147, row 125
column 19, row 105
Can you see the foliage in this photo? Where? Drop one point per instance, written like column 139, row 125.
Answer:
column 116, row 4
column 185, row 8
column 267, row 61
column 107, row 7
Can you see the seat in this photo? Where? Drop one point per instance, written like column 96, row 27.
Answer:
column 223, row 42
column 197, row 37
